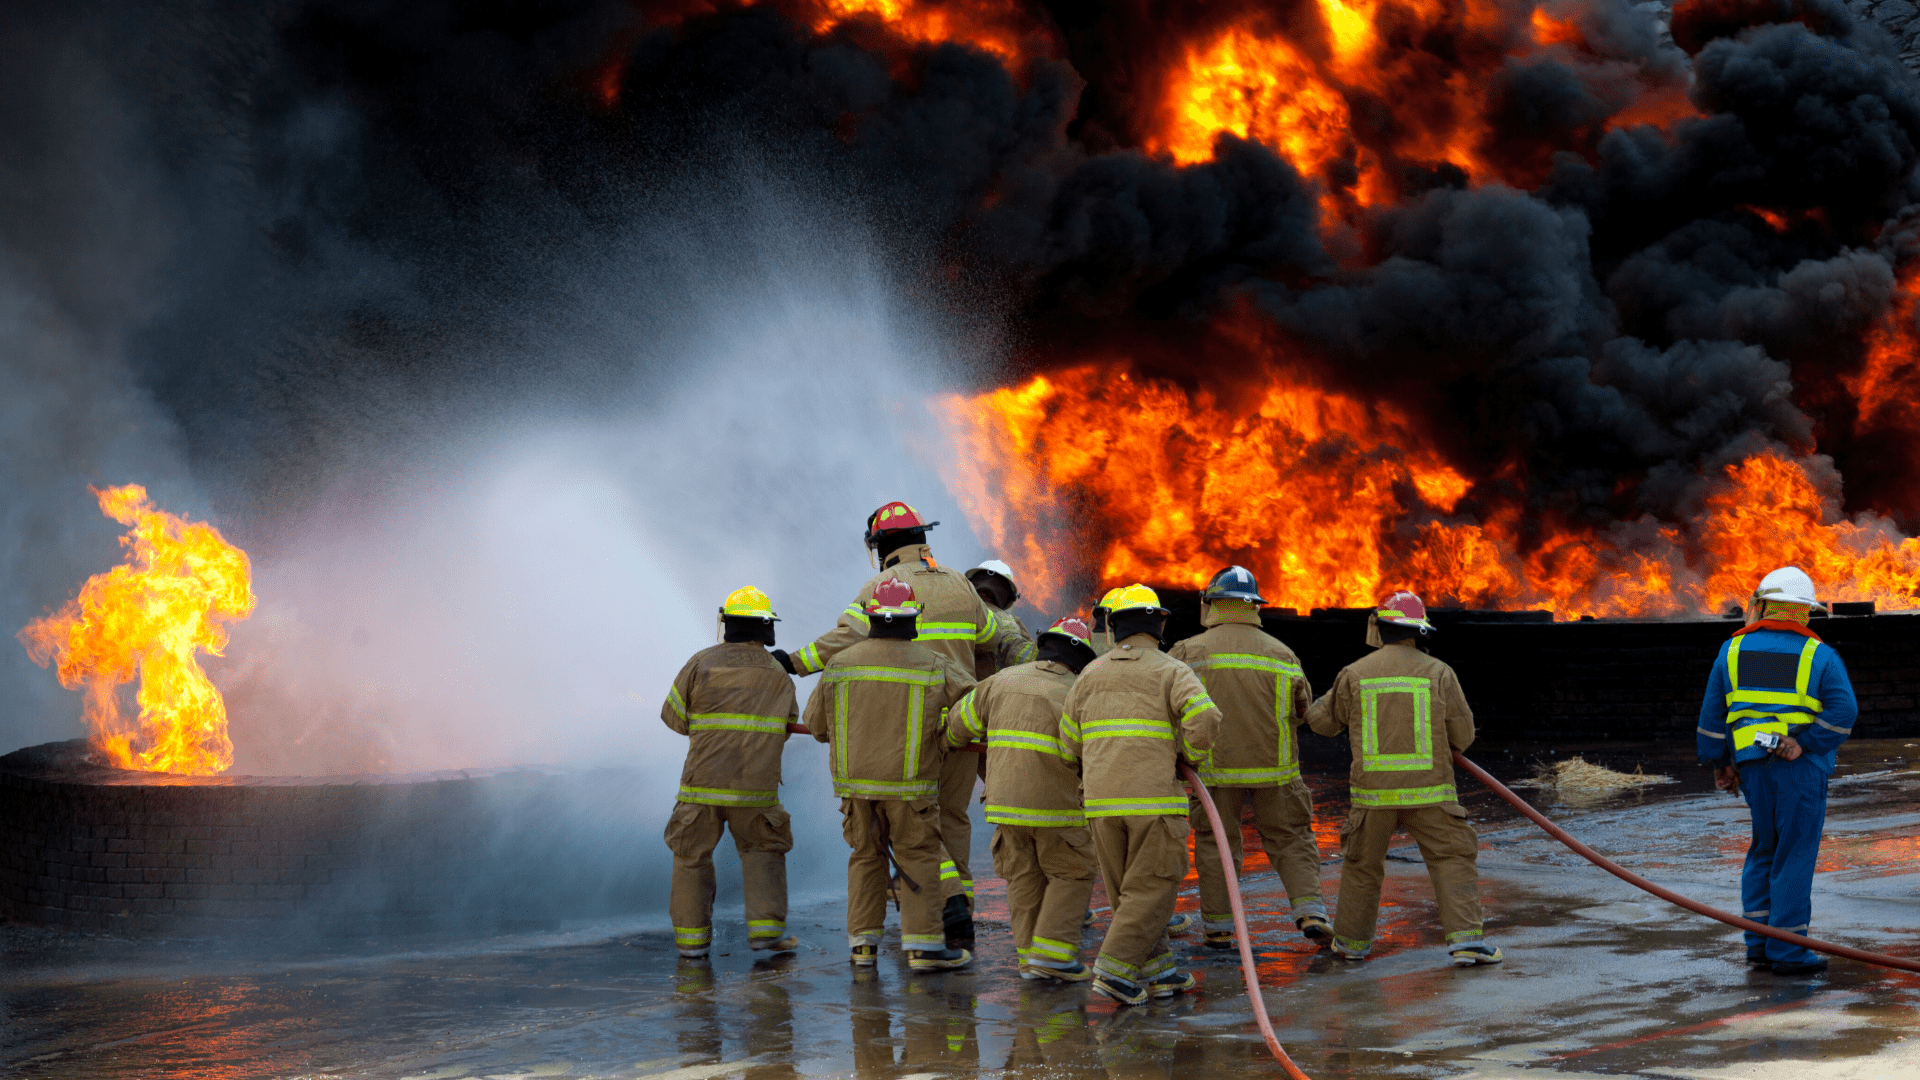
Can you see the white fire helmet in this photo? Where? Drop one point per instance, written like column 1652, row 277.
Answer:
column 995, row 566
column 1788, row 585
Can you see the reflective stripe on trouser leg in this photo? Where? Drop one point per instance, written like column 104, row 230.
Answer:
column 693, row 830
column 1452, row 852
column 1788, row 801
column 692, row 937
column 1215, row 913
column 1049, row 876
column 958, row 774
column 1284, row 816
column 763, row 836
column 1364, row 838
column 1143, row 859
column 913, row 830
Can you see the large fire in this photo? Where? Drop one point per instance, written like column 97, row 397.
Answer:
column 1333, row 500
column 149, row 617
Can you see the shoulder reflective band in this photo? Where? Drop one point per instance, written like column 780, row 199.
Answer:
column 947, row 631
column 717, row 721
column 1039, row 819
column 1118, row 729
column 1147, row 806
column 728, row 797
column 1765, row 670
column 1283, row 675
column 1417, row 796
column 1371, row 691
column 1009, row 739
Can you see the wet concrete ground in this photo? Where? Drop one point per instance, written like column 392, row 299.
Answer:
column 1600, row 979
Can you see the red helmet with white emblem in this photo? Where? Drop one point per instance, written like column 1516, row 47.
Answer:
column 1071, row 628
column 1403, row 609
column 893, row 598
column 894, row 517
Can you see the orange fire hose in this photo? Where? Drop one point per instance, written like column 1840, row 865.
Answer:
column 1222, row 845
column 1233, row 897
column 1668, row 895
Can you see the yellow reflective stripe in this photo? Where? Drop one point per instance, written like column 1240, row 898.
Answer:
column 1798, row 696
column 727, row 796
column 1773, row 697
column 1055, row 950
column 949, row 872
column 1043, row 819
column 1069, row 729
column 1804, row 676
column 1371, row 690
column 759, row 928
column 692, row 935
column 916, row 715
column 1420, row 796
column 884, row 674
column 771, row 725
column 1025, row 652
column 675, row 702
column 1170, row 804
column 1135, row 729
column 853, row 788
column 1108, row 965
column 1004, row 739
column 1246, row 662
column 857, row 614
column 807, row 660
column 988, row 629
column 1733, row 659
column 969, row 717
column 1196, row 705
column 1245, row 777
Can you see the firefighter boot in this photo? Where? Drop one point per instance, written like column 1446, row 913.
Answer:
column 1121, row 990
column 1181, row 923
column 957, row 922
column 1220, row 939
column 1315, row 928
column 1479, row 953
column 944, row 960
column 1075, row 971
column 1173, row 982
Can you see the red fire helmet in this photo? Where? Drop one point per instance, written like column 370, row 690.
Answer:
column 893, row 597
column 1403, row 609
column 894, row 517
column 1071, row 628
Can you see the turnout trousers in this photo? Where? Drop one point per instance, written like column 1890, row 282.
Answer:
column 912, row 831
column 1283, row 816
column 1789, row 804
column 957, row 775
column 1049, row 876
column 1448, row 844
column 1143, row 859
column 762, row 834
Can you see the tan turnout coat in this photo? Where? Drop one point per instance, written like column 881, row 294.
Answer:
column 879, row 706
column 1031, row 779
column 1404, row 715
column 1129, row 716
column 953, row 620
column 1263, row 696
column 734, row 702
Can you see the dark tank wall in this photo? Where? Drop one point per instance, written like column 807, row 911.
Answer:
column 1531, row 679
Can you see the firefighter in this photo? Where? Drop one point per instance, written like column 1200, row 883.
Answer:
column 1778, row 705
column 993, row 580
column 1041, row 848
column 734, row 703
column 879, row 705
column 1262, row 695
column 1131, row 717
column 953, row 621
column 1407, row 716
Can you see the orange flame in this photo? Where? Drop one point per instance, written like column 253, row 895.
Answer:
column 1333, row 501
column 181, row 583
column 984, row 24
column 1887, row 384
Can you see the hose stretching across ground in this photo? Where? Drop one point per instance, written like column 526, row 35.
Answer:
column 1233, row 897
column 1240, row 926
column 1668, row 895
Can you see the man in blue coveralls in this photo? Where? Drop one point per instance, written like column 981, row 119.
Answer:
column 1778, row 706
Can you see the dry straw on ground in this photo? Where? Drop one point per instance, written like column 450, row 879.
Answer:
column 1577, row 774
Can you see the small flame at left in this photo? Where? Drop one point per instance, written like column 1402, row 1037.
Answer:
column 150, row 617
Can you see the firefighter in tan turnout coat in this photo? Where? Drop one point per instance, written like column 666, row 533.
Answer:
column 1041, row 847
column 954, row 622
column 734, row 702
column 879, row 706
column 1405, row 715
column 1130, row 717
column 1262, row 695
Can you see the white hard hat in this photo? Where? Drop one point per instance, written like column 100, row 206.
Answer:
column 995, row 566
column 1789, row 585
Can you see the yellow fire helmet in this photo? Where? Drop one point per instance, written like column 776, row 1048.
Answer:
column 1106, row 602
column 1135, row 597
column 748, row 603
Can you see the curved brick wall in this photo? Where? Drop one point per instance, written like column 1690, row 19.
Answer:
column 104, row 849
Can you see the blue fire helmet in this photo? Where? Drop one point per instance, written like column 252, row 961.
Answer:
column 1234, row 583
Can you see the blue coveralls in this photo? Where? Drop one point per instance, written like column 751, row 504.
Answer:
column 1790, row 684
